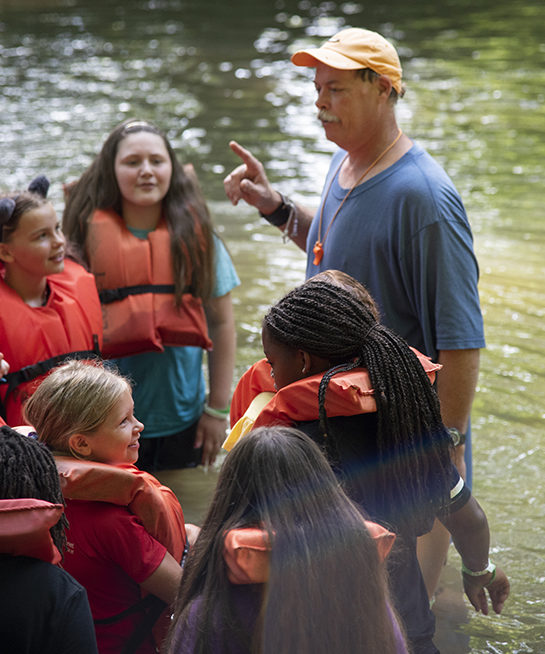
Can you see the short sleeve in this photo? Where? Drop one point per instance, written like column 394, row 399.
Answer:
column 459, row 494
column 75, row 623
column 446, row 290
column 225, row 275
column 133, row 549
column 109, row 542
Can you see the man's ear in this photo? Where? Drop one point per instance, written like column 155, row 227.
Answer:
column 384, row 85
column 79, row 445
column 5, row 253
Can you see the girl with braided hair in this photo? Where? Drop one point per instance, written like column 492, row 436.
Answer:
column 365, row 396
column 42, row 608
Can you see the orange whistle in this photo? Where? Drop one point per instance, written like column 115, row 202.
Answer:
column 318, row 250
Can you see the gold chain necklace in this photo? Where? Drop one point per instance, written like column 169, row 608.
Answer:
column 318, row 248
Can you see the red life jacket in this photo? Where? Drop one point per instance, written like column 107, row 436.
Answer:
column 35, row 339
column 136, row 288
column 24, row 528
column 125, row 485
column 348, row 394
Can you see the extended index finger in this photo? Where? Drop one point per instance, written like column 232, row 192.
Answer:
column 246, row 156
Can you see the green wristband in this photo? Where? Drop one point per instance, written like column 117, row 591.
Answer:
column 491, row 567
column 492, row 577
column 220, row 414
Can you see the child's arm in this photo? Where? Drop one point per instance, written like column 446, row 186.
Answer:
column 165, row 581
column 221, row 363
column 470, row 534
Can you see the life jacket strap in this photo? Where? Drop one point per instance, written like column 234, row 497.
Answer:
column 110, row 295
column 151, row 607
column 28, row 373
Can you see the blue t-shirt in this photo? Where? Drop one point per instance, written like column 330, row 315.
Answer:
column 169, row 387
column 405, row 235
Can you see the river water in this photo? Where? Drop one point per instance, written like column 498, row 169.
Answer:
column 208, row 72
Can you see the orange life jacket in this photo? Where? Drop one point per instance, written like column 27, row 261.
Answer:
column 246, row 552
column 136, row 288
column 154, row 504
column 348, row 393
column 35, row 339
column 24, row 528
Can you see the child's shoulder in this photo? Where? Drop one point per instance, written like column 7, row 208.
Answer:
column 95, row 509
column 92, row 519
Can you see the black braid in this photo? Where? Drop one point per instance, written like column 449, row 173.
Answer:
column 330, row 443
column 324, row 383
column 413, row 446
column 27, row 469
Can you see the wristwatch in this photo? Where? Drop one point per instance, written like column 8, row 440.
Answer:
column 457, row 437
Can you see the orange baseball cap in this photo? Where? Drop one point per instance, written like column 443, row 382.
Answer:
column 352, row 49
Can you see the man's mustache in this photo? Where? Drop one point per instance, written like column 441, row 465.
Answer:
column 326, row 117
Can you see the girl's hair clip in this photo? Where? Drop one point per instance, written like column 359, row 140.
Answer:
column 7, row 207
column 39, row 185
column 136, row 124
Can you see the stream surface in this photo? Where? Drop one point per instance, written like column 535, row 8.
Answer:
column 209, row 72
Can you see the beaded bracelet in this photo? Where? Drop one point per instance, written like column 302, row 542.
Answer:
column 280, row 215
column 220, row 414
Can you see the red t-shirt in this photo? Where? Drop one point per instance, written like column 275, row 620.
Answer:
column 110, row 553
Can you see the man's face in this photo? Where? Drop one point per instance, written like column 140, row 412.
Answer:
column 349, row 107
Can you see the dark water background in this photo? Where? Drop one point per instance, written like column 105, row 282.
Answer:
column 208, row 72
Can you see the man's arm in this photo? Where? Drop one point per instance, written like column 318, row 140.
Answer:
column 249, row 182
column 456, row 384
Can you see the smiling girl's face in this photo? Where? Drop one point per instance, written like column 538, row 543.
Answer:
column 117, row 439
column 36, row 247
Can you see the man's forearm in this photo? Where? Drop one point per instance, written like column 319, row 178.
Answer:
column 456, row 384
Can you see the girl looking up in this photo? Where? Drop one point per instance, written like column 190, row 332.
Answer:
column 284, row 561
column 50, row 307
column 365, row 397
column 164, row 278
column 126, row 534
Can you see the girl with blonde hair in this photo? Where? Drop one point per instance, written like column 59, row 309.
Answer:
column 127, row 535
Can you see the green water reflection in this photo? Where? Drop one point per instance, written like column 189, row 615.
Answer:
column 208, row 72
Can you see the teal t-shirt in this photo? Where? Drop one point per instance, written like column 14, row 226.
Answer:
column 169, row 387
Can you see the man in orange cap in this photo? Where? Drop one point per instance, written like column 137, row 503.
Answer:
column 389, row 216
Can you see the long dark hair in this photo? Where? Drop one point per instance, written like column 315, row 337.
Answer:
column 184, row 208
column 326, row 590
column 27, row 469
column 413, row 446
